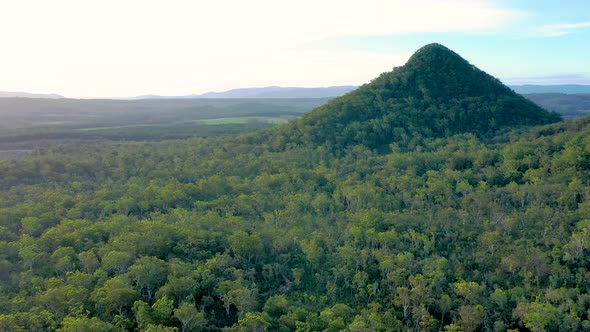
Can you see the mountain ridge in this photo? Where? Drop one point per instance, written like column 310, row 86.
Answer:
column 279, row 92
column 269, row 92
column 10, row 94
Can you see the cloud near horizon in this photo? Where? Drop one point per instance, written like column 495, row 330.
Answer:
column 575, row 79
column 557, row 30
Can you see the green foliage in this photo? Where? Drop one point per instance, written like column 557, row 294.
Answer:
column 191, row 319
column 84, row 324
column 143, row 314
column 447, row 233
column 114, row 296
column 162, row 311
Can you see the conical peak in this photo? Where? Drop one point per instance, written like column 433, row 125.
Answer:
column 434, row 53
column 433, row 46
column 438, row 74
column 436, row 93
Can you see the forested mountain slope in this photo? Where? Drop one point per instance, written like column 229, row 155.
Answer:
column 464, row 232
column 435, row 94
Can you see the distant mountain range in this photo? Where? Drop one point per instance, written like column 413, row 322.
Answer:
column 4, row 94
column 271, row 92
column 277, row 92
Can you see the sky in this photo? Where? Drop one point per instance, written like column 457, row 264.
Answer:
column 123, row 48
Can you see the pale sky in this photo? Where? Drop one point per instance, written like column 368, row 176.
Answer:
column 107, row 48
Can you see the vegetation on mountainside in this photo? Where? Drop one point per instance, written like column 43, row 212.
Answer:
column 435, row 94
column 459, row 231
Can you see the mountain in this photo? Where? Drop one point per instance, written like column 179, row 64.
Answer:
column 332, row 91
column 4, row 94
column 241, row 93
column 271, row 92
column 281, row 92
column 436, row 93
column 565, row 88
column 460, row 233
column 277, row 92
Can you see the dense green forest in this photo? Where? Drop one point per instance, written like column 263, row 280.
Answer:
column 475, row 217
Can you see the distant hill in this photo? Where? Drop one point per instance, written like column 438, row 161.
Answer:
column 271, row 92
column 281, row 92
column 5, row 94
column 277, row 92
column 436, row 93
column 568, row 105
column 565, row 88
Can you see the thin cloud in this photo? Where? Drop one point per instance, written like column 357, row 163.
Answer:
column 556, row 30
column 550, row 79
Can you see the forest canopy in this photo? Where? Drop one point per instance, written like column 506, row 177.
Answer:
column 483, row 226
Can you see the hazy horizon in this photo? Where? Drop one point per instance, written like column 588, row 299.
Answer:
column 53, row 95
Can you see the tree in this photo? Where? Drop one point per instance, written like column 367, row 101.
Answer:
column 117, row 262
column 337, row 317
column 245, row 245
column 190, row 317
column 89, row 260
column 468, row 291
column 115, row 295
column 28, row 251
column 233, row 292
column 471, row 317
column 251, row 322
column 537, row 316
column 64, row 259
column 160, row 328
column 62, row 299
column 148, row 274
column 85, row 324
column 143, row 314
column 276, row 305
column 162, row 310
column 445, row 304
